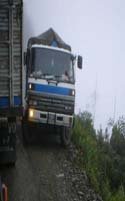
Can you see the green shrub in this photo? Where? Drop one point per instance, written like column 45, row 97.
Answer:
column 84, row 136
column 119, row 195
column 103, row 159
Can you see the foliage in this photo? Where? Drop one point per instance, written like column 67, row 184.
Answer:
column 103, row 158
column 84, row 136
column 119, row 195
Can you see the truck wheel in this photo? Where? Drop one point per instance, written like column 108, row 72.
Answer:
column 12, row 131
column 28, row 132
column 24, row 132
column 65, row 136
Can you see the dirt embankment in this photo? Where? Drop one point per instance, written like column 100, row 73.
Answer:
column 45, row 172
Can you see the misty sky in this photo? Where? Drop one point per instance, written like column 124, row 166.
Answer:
column 96, row 30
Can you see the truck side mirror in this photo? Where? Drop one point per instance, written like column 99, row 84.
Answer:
column 79, row 62
column 25, row 58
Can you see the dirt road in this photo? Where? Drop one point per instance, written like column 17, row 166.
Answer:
column 43, row 172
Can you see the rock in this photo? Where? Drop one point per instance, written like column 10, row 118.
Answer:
column 60, row 175
column 80, row 193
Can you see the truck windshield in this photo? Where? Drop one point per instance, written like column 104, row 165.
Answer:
column 51, row 64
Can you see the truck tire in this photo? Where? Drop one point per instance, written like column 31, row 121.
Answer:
column 65, row 136
column 24, row 132
column 12, row 129
column 27, row 132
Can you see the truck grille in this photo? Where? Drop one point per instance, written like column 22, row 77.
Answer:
column 51, row 103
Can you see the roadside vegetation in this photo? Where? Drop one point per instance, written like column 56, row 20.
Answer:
column 102, row 157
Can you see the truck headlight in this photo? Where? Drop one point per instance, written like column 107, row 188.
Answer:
column 31, row 113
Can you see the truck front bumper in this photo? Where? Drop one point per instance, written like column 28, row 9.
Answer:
column 50, row 118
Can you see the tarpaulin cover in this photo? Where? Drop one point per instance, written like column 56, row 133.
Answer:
column 50, row 38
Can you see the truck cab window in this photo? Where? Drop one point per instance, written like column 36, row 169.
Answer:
column 48, row 62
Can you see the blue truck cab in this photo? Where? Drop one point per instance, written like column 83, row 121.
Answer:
column 50, row 86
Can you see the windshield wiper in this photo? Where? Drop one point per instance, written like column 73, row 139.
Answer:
column 48, row 76
column 37, row 75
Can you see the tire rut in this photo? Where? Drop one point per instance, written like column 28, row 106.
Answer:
column 50, row 178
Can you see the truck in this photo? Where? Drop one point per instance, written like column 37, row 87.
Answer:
column 11, row 72
column 50, row 86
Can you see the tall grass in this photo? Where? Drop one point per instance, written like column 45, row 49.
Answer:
column 95, row 156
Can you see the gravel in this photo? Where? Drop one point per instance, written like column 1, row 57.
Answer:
column 46, row 172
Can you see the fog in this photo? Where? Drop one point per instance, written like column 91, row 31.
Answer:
column 95, row 29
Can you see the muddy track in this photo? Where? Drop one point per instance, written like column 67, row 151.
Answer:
column 43, row 173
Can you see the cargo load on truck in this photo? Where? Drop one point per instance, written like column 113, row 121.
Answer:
column 50, row 38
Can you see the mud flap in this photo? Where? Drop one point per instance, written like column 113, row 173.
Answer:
column 8, row 157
